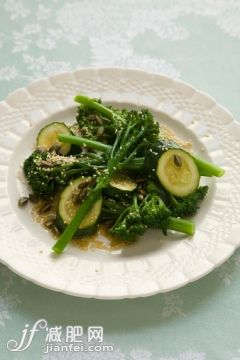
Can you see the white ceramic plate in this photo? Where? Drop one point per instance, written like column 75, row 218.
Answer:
column 156, row 263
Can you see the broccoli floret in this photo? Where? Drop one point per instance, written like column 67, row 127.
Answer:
column 100, row 122
column 188, row 205
column 150, row 213
column 95, row 125
column 154, row 212
column 46, row 172
column 129, row 224
column 145, row 118
column 157, row 188
column 38, row 176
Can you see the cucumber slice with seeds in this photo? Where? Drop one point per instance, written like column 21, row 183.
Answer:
column 48, row 137
column 67, row 208
column 177, row 172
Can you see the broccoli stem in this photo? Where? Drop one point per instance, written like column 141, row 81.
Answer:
column 181, row 225
column 85, row 100
column 72, row 139
column 135, row 164
column 206, row 168
column 70, row 230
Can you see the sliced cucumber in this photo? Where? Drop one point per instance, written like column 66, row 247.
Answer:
column 177, row 172
column 48, row 137
column 120, row 184
column 68, row 207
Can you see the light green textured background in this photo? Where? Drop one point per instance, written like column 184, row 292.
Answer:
column 197, row 41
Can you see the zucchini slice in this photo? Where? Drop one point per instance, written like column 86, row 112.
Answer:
column 177, row 172
column 68, row 207
column 155, row 151
column 120, row 184
column 48, row 137
column 123, row 182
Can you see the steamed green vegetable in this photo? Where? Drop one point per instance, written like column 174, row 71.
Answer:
column 177, row 172
column 70, row 199
column 48, row 137
column 189, row 205
column 122, row 173
column 157, row 149
column 149, row 213
column 120, row 185
column 48, row 172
